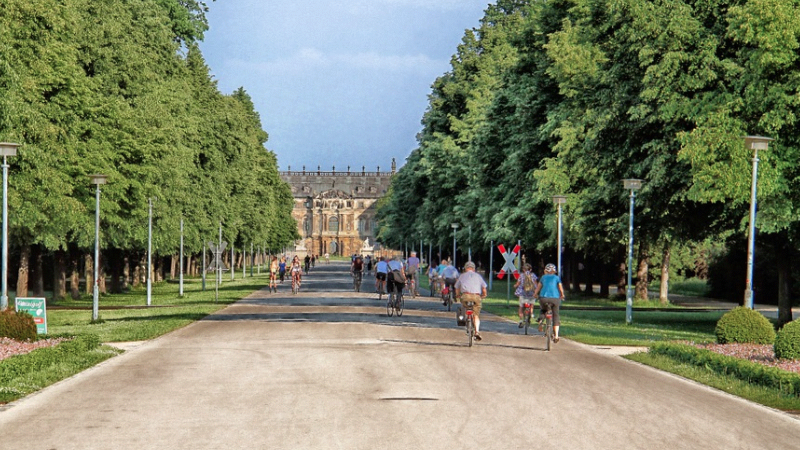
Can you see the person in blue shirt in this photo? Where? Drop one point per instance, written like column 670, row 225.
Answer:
column 550, row 291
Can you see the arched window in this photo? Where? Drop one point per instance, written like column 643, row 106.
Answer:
column 333, row 224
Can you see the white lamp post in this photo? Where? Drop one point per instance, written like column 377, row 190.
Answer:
column 149, row 251
column 559, row 200
column 754, row 143
column 96, row 180
column 455, row 227
column 633, row 185
column 6, row 149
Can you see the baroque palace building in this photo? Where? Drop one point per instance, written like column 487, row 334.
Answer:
column 335, row 211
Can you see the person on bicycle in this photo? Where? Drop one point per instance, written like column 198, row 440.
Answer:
column 471, row 287
column 307, row 263
column 357, row 267
column 450, row 275
column 550, row 293
column 297, row 270
column 525, row 287
column 381, row 270
column 395, row 279
column 412, row 267
column 273, row 274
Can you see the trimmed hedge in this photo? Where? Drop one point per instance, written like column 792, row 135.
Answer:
column 787, row 342
column 744, row 325
column 42, row 358
column 771, row 377
column 17, row 325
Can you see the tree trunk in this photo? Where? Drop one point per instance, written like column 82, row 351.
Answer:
column 784, row 285
column 605, row 291
column 36, row 274
column 88, row 271
column 59, row 275
column 24, row 267
column 664, row 292
column 173, row 266
column 75, row 275
column 622, row 281
column 138, row 276
column 101, row 276
column 641, row 274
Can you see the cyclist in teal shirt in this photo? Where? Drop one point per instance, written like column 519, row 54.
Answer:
column 549, row 290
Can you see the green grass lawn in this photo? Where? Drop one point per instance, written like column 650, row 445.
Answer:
column 126, row 317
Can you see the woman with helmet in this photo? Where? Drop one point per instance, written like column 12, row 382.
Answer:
column 550, row 291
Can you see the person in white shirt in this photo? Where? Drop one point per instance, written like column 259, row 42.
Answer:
column 381, row 270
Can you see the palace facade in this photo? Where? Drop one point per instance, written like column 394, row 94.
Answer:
column 335, row 211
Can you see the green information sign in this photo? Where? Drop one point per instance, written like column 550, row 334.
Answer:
column 36, row 307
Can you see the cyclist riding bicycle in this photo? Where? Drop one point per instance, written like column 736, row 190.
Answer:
column 297, row 270
column 394, row 278
column 450, row 274
column 471, row 287
column 525, row 287
column 550, row 292
column 412, row 267
column 381, row 270
column 357, row 267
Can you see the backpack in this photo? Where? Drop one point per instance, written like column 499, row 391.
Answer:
column 399, row 276
column 527, row 283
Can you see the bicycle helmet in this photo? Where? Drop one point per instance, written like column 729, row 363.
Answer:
column 550, row 268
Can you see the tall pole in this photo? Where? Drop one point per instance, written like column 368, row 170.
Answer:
column 629, row 292
column 559, row 242
column 491, row 263
column 150, row 252
column 204, row 265
column 469, row 257
column 4, row 297
column 218, row 256
column 181, row 263
column 749, row 300
column 455, row 228
column 96, row 273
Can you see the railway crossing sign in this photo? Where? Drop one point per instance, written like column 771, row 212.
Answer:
column 217, row 262
column 509, row 265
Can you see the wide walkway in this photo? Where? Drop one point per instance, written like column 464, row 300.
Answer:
column 327, row 369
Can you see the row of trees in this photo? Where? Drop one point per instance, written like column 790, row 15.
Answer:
column 573, row 96
column 121, row 89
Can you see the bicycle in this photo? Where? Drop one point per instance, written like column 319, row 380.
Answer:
column 357, row 277
column 412, row 287
column 470, row 322
column 395, row 303
column 548, row 327
column 527, row 312
column 295, row 284
column 448, row 296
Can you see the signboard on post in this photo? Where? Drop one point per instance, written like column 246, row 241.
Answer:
column 37, row 308
column 509, row 265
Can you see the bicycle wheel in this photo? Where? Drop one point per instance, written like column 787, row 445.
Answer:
column 390, row 306
column 449, row 300
column 399, row 303
column 526, row 318
column 470, row 330
column 548, row 335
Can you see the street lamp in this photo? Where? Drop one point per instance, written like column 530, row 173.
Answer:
column 149, row 251
column 633, row 185
column 6, row 149
column 754, row 143
column 97, row 180
column 560, row 200
column 455, row 227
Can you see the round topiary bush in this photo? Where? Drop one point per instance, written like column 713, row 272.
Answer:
column 744, row 325
column 18, row 326
column 787, row 342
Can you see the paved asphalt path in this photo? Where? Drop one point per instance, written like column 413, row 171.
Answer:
column 327, row 369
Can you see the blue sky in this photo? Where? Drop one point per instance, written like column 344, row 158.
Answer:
column 337, row 83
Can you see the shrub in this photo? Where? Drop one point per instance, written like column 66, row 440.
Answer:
column 748, row 371
column 744, row 325
column 18, row 326
column 787, row 342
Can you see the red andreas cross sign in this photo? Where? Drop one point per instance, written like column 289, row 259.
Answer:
column 509, row 265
